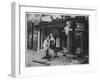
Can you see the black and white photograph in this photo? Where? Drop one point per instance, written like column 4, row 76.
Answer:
column 56, row 39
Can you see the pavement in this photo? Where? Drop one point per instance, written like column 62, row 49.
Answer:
column 34, row 58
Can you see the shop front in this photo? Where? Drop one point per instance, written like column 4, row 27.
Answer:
column 76, row 41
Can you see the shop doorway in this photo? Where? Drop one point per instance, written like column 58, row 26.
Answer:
column 59, row 35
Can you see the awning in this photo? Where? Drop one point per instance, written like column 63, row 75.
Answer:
column 56, row 25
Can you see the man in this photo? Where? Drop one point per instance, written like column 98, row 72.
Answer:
column 52, row 41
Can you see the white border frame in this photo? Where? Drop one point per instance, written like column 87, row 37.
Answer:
column 18, row 41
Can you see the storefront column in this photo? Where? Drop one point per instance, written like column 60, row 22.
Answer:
column 41, row 38
column 38, row 48
column 68, row 43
